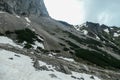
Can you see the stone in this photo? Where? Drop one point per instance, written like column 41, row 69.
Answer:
column 53, row 75
column 44, row 68
column 92, row 77
column 65, row 69
column 36, row 65
column 74, row 77
column 11, row 58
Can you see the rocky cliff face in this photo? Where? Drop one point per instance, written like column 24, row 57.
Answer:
column 24, row 7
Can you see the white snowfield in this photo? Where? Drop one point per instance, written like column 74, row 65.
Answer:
column 15, row 66
column 6, row 40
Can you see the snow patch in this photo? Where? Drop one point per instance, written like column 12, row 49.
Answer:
column 116, row 35
column 23, row 44
column 118, row 31
column 38, row 44
column 86, row 67
column 106, row 30
column 17, row 16
column 111, row 28
column 27, row 19
column 77, row 27
column 85, row 32
column 33, row 29
column 50, row 67
column 40, row 38
column 97, row 37
column 2, row 12
column 113, row 38
column 50, row 55
column 27, row 24
column 67, row 59
column 6, row 40
column 54, row 53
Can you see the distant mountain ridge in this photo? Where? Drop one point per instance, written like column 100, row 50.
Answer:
column 102, row 32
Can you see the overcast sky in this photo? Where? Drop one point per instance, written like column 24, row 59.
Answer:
column 80, row 11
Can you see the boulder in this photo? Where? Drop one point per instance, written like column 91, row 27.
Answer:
column 65, row 69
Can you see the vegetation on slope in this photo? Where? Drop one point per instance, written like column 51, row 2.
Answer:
column 96, row 56
column 26, row 35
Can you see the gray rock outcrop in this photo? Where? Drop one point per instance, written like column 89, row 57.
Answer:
column 24, row 7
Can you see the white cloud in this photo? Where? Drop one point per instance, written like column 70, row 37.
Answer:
column 104, row 18
column 80, row 11
column 102, row 11
column 68, row 10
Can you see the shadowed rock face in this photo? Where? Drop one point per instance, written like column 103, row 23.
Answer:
column 24, row 7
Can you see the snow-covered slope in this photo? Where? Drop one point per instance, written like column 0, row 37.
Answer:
column 14, row 66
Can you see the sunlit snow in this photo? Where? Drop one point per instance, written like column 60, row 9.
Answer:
column 17, row 16
column 67, row 59
column 38, row 44
column 21, row 68
column 27, row 19
column 97, row 37
column 106, row 30
column 116, row 35
column 85, row 32
column 6, row 40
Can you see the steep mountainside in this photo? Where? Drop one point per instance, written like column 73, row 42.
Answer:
column 109, row 36
column 33, row 45
column 24, row 7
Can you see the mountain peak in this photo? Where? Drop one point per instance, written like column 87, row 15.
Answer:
column 24, row 7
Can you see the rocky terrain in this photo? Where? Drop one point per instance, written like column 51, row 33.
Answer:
column 24, row 7
column 34, row 46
